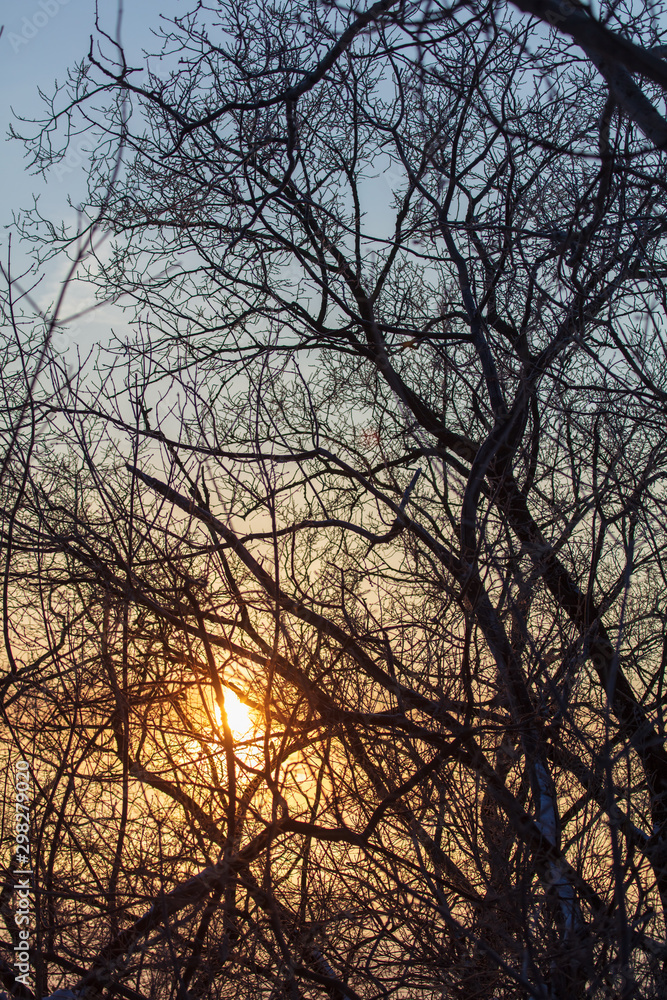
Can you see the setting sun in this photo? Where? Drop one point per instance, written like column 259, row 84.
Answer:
column 238, row 715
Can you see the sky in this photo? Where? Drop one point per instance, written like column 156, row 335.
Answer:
column 40, row 40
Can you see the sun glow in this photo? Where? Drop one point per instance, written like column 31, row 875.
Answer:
column 239, row 716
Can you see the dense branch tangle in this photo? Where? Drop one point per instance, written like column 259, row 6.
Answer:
column 384, row 456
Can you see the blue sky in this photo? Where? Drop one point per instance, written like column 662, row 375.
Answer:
column 41, row 39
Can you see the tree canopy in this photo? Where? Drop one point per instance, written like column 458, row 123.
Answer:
column 334, row 578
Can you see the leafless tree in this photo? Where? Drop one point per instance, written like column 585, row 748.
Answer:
column 380, row 456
